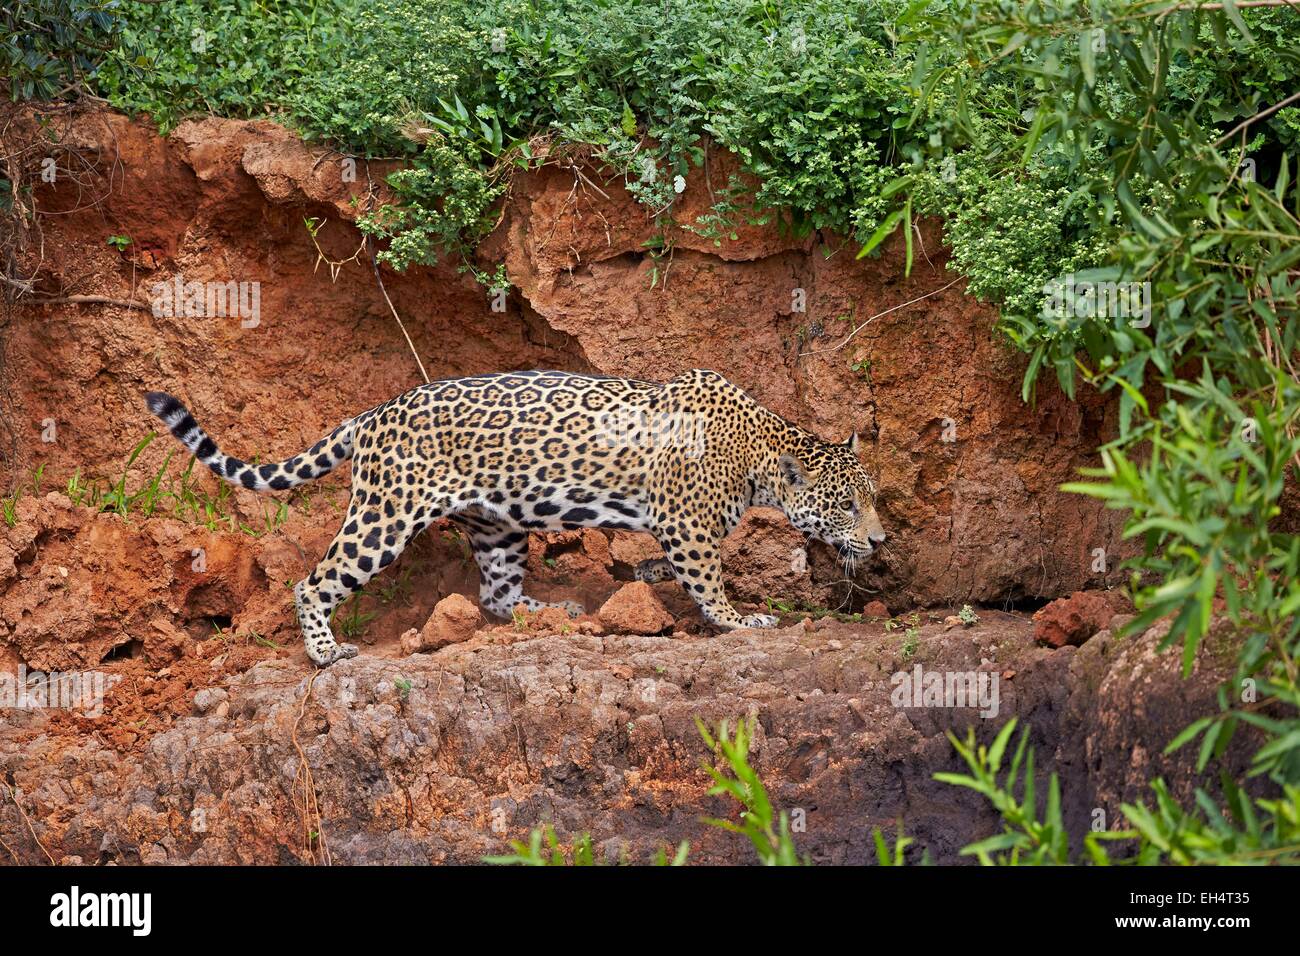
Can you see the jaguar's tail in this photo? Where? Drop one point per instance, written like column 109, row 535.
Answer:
column 318, row 460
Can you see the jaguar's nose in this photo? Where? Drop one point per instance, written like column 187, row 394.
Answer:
column 877, row 538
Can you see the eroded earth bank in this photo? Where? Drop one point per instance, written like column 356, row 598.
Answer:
column 452, row 734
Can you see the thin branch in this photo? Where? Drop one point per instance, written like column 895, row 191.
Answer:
column 313, row 823
column 89, row 300
column 26, row 286
column 12, row 794
column 374, row 263
column 895, row 308
column 1258, row 116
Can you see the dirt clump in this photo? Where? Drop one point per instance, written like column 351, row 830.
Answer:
column 1074, row 619
column 635, row 609
column 455, row 618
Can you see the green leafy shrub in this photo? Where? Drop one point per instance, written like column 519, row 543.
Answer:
column 1172, row 174
column 760, row 823
column 544, row 849
column 234, row 58
column 49, row 47
column 811, row 97
column 1263, row 831
column 768, row 832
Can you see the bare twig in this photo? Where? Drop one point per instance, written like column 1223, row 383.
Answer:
column 374, row 264
column 310, row 809
column 894, row 308
column 13, row 795
column 586, row 179
column 1258, row 116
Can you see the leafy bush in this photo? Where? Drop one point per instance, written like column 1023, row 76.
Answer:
column 1201, row 469
column 233, row 58
column 1259, row 831
column 768, row 832
column 543, row 849
column 49, row 47
column 810, row 98
column 760, row 823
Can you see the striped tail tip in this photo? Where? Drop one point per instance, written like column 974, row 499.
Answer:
column 162, row 404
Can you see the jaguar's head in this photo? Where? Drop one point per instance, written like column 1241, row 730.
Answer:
column 828, row 495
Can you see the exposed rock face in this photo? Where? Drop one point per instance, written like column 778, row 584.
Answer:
column 443, row 757
column 77, row 588
column 1128, row 702
column 967, row 472
column 766, row 557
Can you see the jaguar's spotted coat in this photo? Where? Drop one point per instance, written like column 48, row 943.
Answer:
column 504, row 454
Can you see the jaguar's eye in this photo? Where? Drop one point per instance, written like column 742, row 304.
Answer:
column 848, row 505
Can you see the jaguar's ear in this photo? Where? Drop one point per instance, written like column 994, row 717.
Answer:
column 792, row 471
column 851, row 443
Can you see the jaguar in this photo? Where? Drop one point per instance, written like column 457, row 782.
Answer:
column 506, row 454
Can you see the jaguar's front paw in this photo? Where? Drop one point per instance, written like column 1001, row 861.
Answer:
column 758, row 620
column 653, row 570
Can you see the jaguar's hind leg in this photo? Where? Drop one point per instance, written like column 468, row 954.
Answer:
column 501, row 552
column 371, row 538
column 654, row 570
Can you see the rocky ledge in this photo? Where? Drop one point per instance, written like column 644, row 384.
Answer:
column 443, row 757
